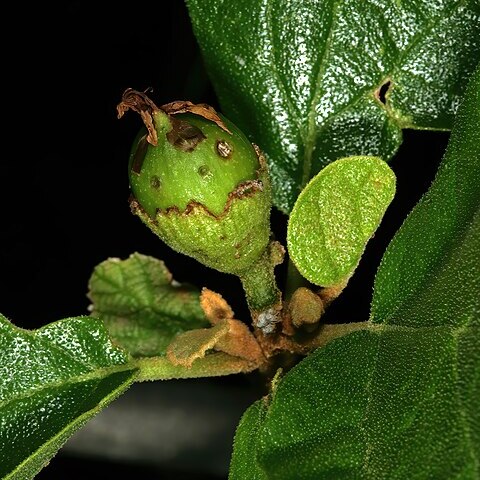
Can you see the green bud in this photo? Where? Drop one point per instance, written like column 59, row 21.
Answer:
column 199, row 184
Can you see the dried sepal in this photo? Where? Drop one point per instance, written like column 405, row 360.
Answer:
column 201, row 109
column 140, row 103
column 187, row 347
column 240, row 342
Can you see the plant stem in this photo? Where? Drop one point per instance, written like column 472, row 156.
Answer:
column 260, row 286
column 294, row 280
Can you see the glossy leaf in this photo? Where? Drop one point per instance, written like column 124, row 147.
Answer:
column 335, row 216
column 142, row 306
column 313, row 81
column 53, row 380
column 400, row 399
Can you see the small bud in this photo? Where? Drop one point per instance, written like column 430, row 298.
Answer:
column 305, row 307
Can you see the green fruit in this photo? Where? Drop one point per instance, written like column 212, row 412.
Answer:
column 202, row 188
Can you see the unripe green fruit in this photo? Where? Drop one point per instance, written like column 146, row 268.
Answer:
column 204, row 191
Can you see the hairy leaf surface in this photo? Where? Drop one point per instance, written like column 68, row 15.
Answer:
column 141, row 304
column 317, row 80
column 433, row 261
column 336, row 215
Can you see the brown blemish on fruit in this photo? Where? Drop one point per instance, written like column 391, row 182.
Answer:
column 184, row 135
column 155, row 182
column 224, row 149
column 201, row 109
column 204, row 171
column 244, row 190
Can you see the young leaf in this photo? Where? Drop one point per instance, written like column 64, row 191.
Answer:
column 335, row 216
column 329, row 79
column 400, row 399
column 52, row 381
column 142, row 306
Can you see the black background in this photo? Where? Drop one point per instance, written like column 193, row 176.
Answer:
column 63, row 169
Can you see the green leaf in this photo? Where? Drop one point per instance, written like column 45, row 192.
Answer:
column 423, row 274
column 142, row 306
column 246, row 442
column 52, row 381
column 381, row 404
column 400, row 399
column 335, row 216
column 305, row 80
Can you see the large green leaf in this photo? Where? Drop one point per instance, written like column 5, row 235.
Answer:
column 400, row 399
column 335, row 216
column 304, row 78
column 141, row 304
column 430, row 256
column 390, row 404
column 53, row 380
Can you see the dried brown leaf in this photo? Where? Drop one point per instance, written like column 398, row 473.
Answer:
column 240, row 342
column 187, row 347
column 201, row 109
column 140, row 103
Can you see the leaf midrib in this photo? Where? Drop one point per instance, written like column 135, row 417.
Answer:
column 313, row 131
column 97, row 374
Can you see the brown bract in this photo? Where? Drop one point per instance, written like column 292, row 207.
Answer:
column 201, row 109
column 305, row 307
column 226, row 335
column 215, row 307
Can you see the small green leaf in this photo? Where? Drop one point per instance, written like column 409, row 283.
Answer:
column 141, row 305
column 52, row 381
column 423, row 272
column 335, row 216
column 314, row 81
